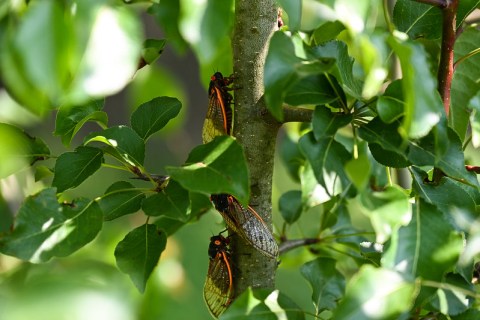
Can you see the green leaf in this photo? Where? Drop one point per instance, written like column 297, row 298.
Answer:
column 376, row 294
column 328, row 158
column 418, row 20
column 358, row 171
column 19, row 150
column 120, row 198
column 343, row 67
column 122, row 142
column 280, row 72
column 465, row 82
column 423, row 106
column 316, row 89
column 428, row 240
column 153, row 115
column 390, row 105
column 453, row 300
column 44, row 228
column 388, row 210
column 452, row 162
column 172, row 202
column 42, row 172
column 215, row 167
column 290, row 205
column 474, row 107
column 328, row 31
column 138, row 253
column 6, row 217
column 70, row 119
column 326, row 123
column 385, row 143
column 291, row 157
column 262, row 305
column 72, row 168
column 294, row 12
column 167, row 15
column 327, row 282
column 152, row 49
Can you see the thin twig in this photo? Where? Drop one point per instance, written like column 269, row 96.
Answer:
column 292, row 244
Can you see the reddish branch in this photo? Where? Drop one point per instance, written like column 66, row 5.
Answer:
column 475, row 169
column 288, row 245
column 445, row 68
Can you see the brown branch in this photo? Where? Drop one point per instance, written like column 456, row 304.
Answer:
column 475, row 169
column 436, row 3
column 288, row 245
column 445, row 67
column 293, row 114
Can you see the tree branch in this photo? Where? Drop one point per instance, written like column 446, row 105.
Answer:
column 436, row 3
column 293, row 114
column 288, row 245
column 445, row 67
column 256, row 130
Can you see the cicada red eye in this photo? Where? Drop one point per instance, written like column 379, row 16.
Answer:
column 218, row 120
column 218, row 289
column 247, row 223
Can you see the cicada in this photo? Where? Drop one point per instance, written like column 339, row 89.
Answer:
column 218, row 289
column 247, row 223
column 218, row 121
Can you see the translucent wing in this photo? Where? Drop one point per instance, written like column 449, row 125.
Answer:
column 218, row 120
column 247, row 223
column 218, row 289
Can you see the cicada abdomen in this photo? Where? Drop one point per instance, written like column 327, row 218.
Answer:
column 218, row 120
column 218, row 289
column 247, row 223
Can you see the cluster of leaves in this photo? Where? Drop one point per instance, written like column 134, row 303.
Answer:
column 49, row 223
column 419, row 260
column 418, row 256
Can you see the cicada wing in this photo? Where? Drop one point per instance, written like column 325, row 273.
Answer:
column 218, row 289
column 218, row 120
column 253, row 229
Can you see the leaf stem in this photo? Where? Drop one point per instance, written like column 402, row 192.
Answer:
column 465, row 57
column 447, row 286
column 111, row 166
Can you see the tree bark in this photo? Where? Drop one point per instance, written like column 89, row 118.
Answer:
column 256, row 131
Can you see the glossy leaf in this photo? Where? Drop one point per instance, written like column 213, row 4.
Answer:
column 358, row 171
column 152, row 49
column 327, row 282
column 376, row 294
column 385, row 143
column 429, row 239
column 71, row 119
column 290, row 205
column 280, row 72
column 19, row 150
column 390, row 105
column 45, row 228
column 416, row 19
column 328, row 159
column 291, row 157
column 138, row 253
column 465, row 80
column 327, row 31
column 120, row 198
column 122, row 142
column 326, row 123
column 452, row 162
column 423, row 106
column 215, row 167
column 388, row 210
column 315, row 89
column 72, row 168
column 172, row 202
column 153, row 115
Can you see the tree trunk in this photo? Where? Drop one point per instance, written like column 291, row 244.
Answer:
column 256, row 131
